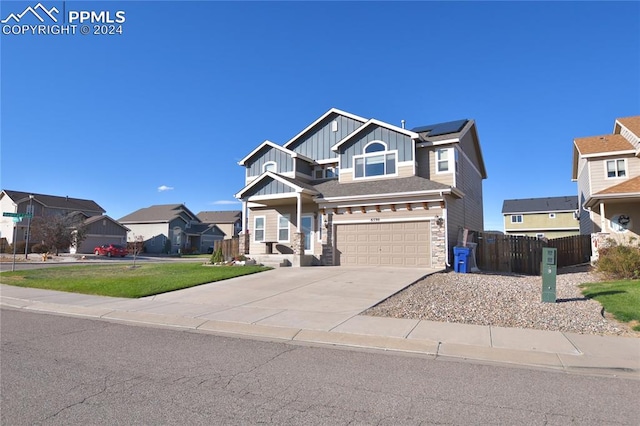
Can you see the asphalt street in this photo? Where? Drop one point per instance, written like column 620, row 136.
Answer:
column 65, row 370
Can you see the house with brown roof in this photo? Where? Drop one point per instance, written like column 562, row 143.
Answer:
column 347, row 190
column 170, row 229
column 229, row 221
column 607, row 171
column 101, row 229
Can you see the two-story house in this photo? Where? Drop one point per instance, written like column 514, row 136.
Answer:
column 229, row 221
column 171, row 228
column 348, row 190
column 607, row 170
column 100, row 228
column 549, row 217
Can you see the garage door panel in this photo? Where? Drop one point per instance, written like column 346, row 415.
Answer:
column 392, row 244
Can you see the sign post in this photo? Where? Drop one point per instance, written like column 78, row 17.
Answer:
column 17, row 217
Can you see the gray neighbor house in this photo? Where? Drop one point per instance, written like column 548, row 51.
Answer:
column 171, row 229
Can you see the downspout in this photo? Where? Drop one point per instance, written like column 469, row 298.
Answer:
column 446, row 231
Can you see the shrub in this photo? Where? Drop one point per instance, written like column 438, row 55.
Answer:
column 217, row 256
column 39, row 248
column 619, row 261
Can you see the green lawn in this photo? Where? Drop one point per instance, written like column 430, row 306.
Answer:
column 620, row 298
column 123, row 280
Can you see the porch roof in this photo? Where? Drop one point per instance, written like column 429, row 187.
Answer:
column 628, row 190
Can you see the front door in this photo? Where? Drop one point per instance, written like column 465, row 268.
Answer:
column 307, row 230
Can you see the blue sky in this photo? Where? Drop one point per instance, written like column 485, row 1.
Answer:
column 190, row 88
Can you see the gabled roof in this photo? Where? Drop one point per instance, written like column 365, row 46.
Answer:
column 631, row 123
column 296, row 185
column 442, row 131
column 541, row 205
column 220, row 216
column 332, row 188
column 201, row 228
column 374, row 122
column 605, row 144
column 158, row 213
column 55, row 202
column 322, row 117
column 94, row 219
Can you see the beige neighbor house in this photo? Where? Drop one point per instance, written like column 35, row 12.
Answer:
column 550, row 217
column 607, row 170
column 229, row 221
column 101, row 229
column 348, row 190
column 170, row 229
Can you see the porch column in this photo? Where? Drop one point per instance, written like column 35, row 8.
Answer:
column 243, row 238
column 299, row 211
column 298, row 237
column 603, row 219
column 244, row 216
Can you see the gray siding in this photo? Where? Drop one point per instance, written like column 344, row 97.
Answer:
column 423, row 167
column 468, row 146
column 269, row 186
column 266, row 154
column 106, row 227
column 317, row 143
column 303, row 167
column 394, row 140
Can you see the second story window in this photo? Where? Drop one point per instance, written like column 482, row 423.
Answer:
column 446, row 160
column 616, row 168
column 375, row 161
column 269, row 166
column 516, row 218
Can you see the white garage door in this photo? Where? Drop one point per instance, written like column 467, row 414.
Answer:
column 384, row 244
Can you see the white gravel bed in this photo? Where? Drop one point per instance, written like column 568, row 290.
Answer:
column 503, row 300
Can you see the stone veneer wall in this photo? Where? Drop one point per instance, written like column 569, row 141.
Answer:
column 438, row 245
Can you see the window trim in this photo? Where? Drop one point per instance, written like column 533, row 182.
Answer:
column 263, row 229
column 288, row 217
column 366, row 155
column 452, row 160
column 515, row 216
column 268, row 163
column 617, row 171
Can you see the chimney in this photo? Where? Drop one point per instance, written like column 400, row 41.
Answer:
column 403, row 123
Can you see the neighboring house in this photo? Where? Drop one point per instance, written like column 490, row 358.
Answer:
column 607, row 170
column 101, row 228
column 170, row 228
column 229, row 221
column 348, row 190
column 551, row 217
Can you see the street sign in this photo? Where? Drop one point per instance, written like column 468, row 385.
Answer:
column 20, row 215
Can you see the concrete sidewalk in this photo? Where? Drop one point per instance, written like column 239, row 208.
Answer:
column 322, row 306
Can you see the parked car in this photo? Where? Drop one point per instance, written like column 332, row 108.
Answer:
column 110, row 250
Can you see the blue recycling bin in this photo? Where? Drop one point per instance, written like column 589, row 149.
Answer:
column 461, row 259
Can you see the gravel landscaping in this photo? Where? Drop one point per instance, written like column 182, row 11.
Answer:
column 504, row 300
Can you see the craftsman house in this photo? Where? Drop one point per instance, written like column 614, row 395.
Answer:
column 549, row 217
column 171, row 229
column 607, row 170
column 348, row 190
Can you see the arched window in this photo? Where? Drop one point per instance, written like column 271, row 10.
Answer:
column 375, row 160
column 269, row 166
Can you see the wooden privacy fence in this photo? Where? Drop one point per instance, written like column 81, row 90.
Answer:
column 509, row 253
column 229, row 247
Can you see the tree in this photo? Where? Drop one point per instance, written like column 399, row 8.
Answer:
column 59, row 231
column 136, row 246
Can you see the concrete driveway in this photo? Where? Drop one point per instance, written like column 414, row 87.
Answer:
column 316, row 298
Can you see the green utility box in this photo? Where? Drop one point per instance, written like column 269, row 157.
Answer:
column 549, row 269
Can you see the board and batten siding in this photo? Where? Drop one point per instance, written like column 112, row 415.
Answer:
column 269, row 186
column 318, row 141
column 267, row 154
column 395, row 141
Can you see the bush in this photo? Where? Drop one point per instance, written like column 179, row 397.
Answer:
column 39, row 248
column 619, row 261
column 217, row 257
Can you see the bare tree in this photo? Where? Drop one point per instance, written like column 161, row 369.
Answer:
column 59, row 232
column 136, row 247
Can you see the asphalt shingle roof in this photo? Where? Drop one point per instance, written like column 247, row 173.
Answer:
column 156, row 213
column 602, row 144
column 332, row 188
column 56, row 202
column 221, row 216
column 549, row 204
column 631, row 123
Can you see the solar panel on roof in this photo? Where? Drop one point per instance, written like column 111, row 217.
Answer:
column 449, row 127
column 423, row 129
